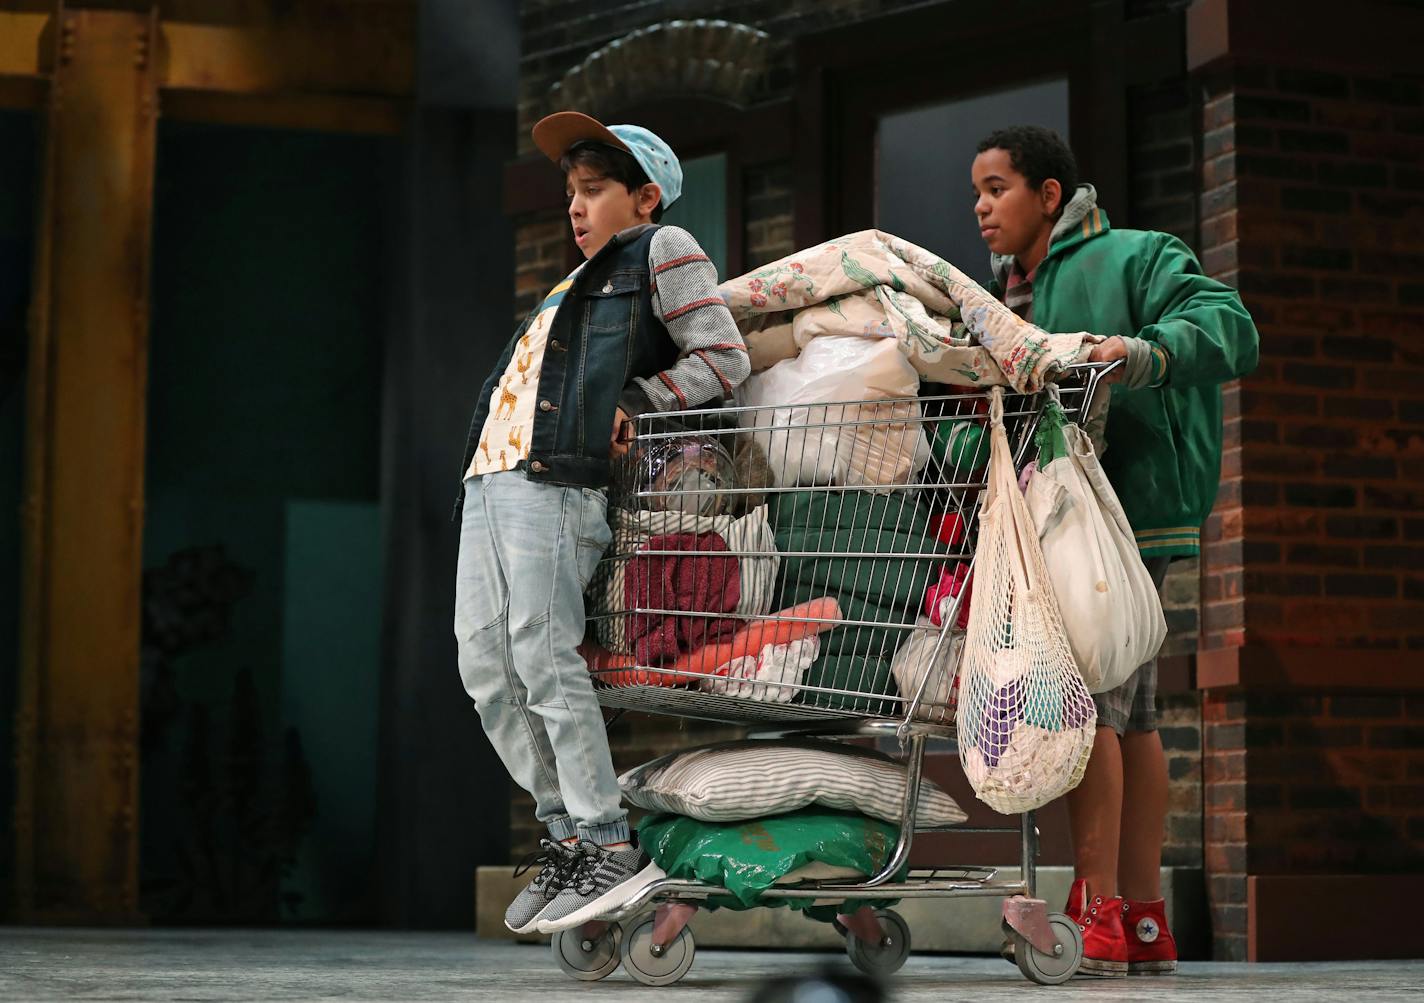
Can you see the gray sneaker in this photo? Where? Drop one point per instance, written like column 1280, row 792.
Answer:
column 557, row 861
column 600, row 882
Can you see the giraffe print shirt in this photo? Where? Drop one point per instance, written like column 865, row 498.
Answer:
column 505, row 440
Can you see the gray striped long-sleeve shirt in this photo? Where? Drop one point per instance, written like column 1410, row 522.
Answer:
column 712, row 357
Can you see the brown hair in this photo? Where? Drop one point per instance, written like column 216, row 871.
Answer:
column 611, row 163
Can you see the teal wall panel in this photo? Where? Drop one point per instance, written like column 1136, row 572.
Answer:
column 331, row 636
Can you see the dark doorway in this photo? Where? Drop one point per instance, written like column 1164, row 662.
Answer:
column 262, row 597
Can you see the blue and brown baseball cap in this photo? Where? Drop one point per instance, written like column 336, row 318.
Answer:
column 555, row 133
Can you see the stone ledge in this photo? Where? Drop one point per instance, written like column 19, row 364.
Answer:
column 967, row 925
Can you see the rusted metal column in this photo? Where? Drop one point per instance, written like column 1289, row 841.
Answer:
column 76, row 817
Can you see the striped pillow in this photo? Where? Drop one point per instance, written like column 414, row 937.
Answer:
column 731, row 781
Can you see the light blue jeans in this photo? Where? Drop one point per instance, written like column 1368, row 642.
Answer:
column 527, row 552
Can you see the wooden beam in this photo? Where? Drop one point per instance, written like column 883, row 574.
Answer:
column 77, row 805
column 368, row 52
column 356, row 64
column 311, row 112
column 20, row 43
column 22, row 74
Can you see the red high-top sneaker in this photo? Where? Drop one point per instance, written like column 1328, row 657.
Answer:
column 1100, row 919
column 1151, row 948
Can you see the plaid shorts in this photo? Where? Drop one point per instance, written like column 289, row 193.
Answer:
column 1132, row 706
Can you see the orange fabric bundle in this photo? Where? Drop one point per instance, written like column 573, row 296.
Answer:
column 791, row 624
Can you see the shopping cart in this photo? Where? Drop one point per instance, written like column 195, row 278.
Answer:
column 884, row 497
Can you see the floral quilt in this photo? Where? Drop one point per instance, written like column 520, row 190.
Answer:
column 876, row 285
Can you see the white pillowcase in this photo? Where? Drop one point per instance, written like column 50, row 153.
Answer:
column 731, row 781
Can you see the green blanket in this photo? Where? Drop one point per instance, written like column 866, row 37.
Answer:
column 748, row 857
column 881, row 589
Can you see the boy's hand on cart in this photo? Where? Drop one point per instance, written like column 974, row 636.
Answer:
column 622, row 433
column 1110, row 350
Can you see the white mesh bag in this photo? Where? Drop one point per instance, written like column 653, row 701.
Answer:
column 1025, row 718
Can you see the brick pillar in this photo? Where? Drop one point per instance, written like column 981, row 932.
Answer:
column 1223, row 607
column 1311, row 204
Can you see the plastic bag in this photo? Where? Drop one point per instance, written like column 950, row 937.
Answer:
column 915, row 659
column 808, row 445
column 693, row 470
column 749, row 857
column 1025, row 719
column 1109, row 604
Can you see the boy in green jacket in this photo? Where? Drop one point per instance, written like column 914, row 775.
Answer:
column 1180, row 335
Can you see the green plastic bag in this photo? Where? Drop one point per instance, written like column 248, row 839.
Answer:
column 1048, row 437
column 748, row 857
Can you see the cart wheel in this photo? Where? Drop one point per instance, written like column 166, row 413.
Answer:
column 664, row 967
column 886, row 957
column 1051, row 969
column 588, row 960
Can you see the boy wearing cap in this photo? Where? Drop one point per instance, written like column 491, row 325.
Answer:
column 1179, row 334
column 638, row 326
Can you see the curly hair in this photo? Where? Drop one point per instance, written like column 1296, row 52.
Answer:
column 611, row 163
column 1038, row 154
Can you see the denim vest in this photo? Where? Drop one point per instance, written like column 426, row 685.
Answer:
column 604, row 333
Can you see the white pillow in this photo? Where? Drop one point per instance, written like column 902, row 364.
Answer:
column 731, row 781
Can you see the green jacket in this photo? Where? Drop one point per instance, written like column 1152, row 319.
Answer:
column 1163, row 452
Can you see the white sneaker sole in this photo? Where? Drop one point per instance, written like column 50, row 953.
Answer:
column 529, row 927
column 1091, row 968
column 606, row 902
column 1152, row 968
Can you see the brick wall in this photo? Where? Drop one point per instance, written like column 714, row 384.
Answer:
column 1224, row 824
column 768, row 214
column 557, row 34
column 1330, row 205
column 1335, row 783
column 1308, row 783
column 1313, row 201
column 540, row 261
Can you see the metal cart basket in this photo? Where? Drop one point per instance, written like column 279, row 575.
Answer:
column 871, row 504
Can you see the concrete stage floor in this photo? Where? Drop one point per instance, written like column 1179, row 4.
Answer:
column 54, row 964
